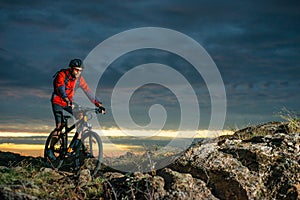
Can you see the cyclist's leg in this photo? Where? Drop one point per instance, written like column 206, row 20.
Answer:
column 76, row 139
column 58, row 116
column 75, row 142
column 78, row 116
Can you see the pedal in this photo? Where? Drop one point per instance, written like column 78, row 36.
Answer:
column 70, row 151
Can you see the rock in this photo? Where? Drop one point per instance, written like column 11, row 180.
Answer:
column 260, row 162
column 112, row 175
column 4, row 169
column 158, row 187
column 9, row 159
column 184, row 186
column 295, row 191
column 18, row 168
column 135, row 186
column 46, row 170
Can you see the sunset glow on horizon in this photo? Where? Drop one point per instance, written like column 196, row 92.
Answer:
column 14, row 140
column 37, row 150
column 115, row 132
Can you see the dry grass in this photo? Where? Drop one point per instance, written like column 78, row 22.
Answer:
column 292, row 118
column 43, row 183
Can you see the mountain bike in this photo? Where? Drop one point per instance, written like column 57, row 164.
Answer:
column 87, row 155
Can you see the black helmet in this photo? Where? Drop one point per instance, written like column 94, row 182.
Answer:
column 76, row 63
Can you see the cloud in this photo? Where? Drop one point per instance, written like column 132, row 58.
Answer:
column 20, row 93
column 255, row 45
column 18, row 71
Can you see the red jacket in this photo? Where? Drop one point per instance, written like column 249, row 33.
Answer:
column 64, row 86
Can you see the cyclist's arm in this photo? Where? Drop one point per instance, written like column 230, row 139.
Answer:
column 86, row 89
column 60, row 85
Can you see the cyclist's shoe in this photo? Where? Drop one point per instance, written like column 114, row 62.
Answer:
column 51, row 155
column 89, row 155
column 73, row 146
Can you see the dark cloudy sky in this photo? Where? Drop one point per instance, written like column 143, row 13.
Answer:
column 255, row 45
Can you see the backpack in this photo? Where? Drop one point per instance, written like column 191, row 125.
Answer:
column 66, row 79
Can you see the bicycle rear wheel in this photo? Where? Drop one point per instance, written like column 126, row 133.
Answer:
column 91, row 152
column 58, row 151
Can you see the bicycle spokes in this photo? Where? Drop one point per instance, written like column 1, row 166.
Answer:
column 92, row 151
column 53, row 154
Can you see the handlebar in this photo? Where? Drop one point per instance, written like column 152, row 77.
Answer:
column 77, row 109
column 98, row 110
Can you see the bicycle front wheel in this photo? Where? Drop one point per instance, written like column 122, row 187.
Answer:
column 53, row 156
column 91, row 152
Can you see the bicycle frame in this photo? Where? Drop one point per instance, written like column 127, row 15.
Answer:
column 79, row 123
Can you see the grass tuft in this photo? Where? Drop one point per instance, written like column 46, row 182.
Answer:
column 292, row 118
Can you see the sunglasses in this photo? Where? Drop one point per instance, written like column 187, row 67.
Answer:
column 77, row 70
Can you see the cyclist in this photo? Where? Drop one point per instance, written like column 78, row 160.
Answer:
column 65, row 82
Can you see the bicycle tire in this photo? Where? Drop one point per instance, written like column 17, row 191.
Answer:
column 91, row 152
column 59, row 149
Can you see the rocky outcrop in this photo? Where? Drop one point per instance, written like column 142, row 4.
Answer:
column 259, row 162
column 168, row 184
